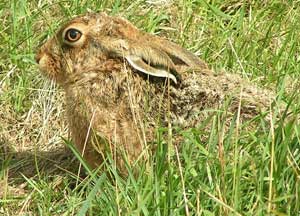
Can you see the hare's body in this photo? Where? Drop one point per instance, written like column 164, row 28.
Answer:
column 121, row 84
column 124, row 108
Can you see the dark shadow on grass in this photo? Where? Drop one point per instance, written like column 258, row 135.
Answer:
column 36, row 164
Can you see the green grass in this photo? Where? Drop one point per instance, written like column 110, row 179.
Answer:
column 215, row 172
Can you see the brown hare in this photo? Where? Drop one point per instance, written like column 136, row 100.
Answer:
column 121, row 84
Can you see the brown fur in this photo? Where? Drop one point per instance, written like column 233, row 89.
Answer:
column 112, row 107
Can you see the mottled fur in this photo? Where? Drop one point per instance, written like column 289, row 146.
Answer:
column 112, row 107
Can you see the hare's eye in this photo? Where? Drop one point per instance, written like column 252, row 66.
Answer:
column 73, row 35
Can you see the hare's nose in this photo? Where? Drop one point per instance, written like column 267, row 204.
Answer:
column 38, row 57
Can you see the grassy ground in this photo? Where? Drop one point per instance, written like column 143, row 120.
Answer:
column 237, row 172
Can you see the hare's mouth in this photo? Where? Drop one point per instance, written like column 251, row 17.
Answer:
column 41, row 60
column 38, row 57
column 46, row 65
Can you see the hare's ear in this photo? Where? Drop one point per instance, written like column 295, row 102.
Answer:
column 139, row 64
column 144, row 58
column 177, row 54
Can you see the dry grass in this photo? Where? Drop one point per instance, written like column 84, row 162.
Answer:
column 237, row 172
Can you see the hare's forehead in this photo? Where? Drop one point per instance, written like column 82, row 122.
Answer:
column 85, row 24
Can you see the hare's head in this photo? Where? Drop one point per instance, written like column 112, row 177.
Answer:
column 94, row 42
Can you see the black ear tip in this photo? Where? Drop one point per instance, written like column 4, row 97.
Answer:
column 174, row 82
column 177, row 76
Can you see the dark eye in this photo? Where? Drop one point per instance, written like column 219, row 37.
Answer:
column 72, row 35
